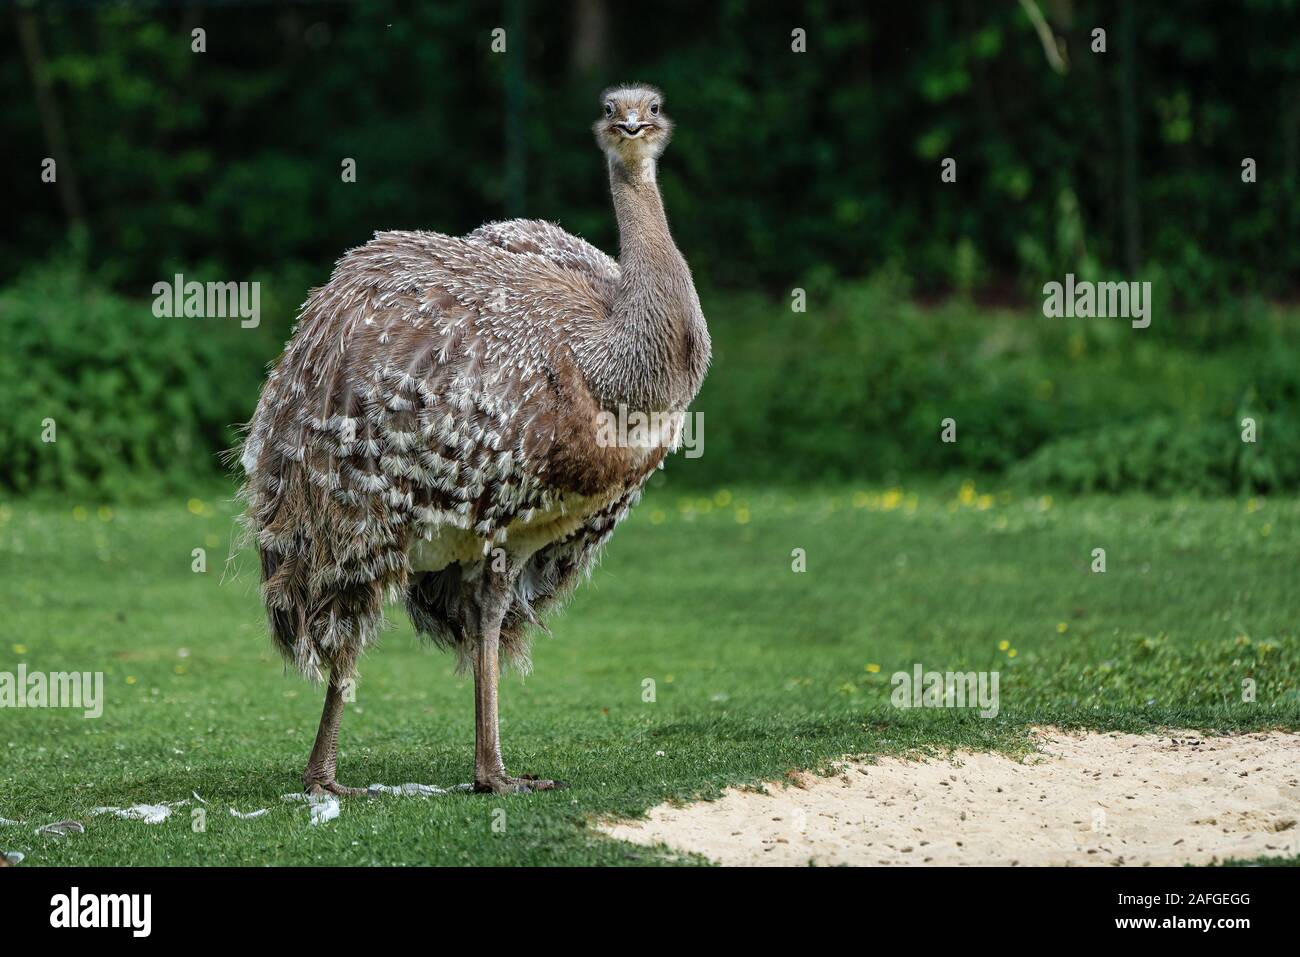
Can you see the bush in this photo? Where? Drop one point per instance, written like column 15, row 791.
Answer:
column 855, row 388
column 858, row 386
column 1165, row 455
column 137, row 403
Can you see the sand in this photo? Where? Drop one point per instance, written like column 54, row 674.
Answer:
column 1082, row 799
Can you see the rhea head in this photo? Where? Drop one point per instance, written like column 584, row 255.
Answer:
column 634, row 128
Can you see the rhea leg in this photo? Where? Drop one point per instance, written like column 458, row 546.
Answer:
column 489, row 769
column 319, row 776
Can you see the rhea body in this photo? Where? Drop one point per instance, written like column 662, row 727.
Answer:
column 431, row 432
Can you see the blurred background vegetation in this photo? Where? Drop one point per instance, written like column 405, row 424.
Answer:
column 816, row 170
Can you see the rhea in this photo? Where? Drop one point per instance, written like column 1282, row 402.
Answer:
column 430, row 433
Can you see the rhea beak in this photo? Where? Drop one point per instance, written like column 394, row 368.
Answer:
column 631, row 130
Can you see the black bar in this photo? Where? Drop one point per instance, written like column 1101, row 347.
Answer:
column 371, row 906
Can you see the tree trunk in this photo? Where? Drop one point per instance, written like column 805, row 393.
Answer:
column 56, row 144
column 1129, row 140
column 590, row 37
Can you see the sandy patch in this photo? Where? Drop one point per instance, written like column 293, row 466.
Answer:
column 1174, row 798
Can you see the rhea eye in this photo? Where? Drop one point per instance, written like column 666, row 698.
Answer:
column 609, row 108
column 654, row 109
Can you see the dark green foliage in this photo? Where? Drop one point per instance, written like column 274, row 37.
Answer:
column 783, row 163
column 139, row 403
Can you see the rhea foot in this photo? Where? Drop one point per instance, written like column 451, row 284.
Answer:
column 317, row 787
column 502, row 783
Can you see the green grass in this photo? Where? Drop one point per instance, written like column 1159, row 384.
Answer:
column 757, row 669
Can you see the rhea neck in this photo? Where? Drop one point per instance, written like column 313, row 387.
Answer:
column 643, row 237
column 655, row 319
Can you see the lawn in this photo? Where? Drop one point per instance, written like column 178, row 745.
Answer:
column 756, row 668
